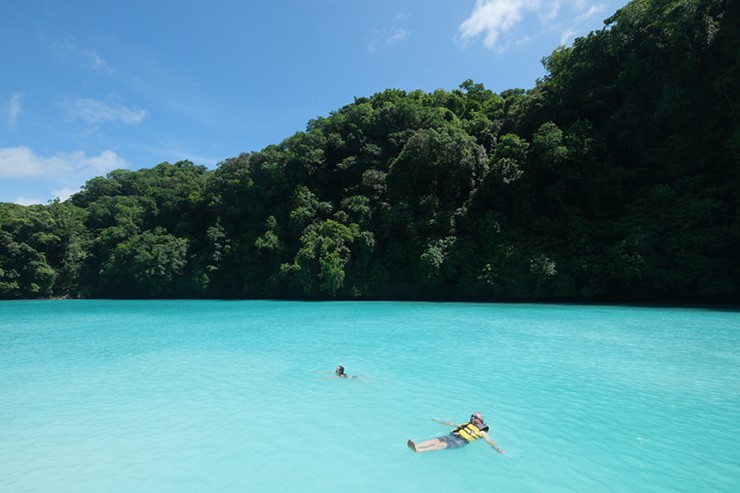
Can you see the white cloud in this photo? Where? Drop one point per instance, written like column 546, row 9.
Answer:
column 496, row 20
column 95, row 111
column 64, row 193
column 491, row 18
column 57, row 176
column 28, row 201
column 19, row 162
column 58, row 172
column 566, row 36
column 13, row 109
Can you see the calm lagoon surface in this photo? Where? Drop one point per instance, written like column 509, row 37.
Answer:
column 212, row 396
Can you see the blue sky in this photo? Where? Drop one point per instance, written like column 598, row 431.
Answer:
column 88, row 86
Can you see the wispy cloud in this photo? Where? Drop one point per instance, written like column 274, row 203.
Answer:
column 58, row 173
column 496, row 20
column 387, row 37
column 62, row 46
column 13, row 109
column 67, row 47
column 396, row 35
column 96, row 61
column 550, row 11
column 96, row 111
column 591, row 12
column 566, row 36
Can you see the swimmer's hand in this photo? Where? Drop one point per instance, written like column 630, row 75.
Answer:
column 499, row 450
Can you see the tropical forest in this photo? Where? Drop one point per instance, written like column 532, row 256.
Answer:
column 615, row 178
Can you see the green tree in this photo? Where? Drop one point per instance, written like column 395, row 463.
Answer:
column 145, row 265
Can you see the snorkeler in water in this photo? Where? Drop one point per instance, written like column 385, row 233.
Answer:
column 462, row 435
column 339, row 373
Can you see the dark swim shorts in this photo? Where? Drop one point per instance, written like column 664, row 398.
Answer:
column 453, row 441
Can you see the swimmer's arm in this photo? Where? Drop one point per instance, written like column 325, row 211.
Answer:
column 491, row 442
column 448, row 423
column 329, row 375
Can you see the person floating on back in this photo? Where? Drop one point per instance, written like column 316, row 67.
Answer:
column 462, row 435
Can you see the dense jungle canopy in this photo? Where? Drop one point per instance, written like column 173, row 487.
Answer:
column 615, row 178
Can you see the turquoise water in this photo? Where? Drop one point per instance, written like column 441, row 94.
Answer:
column 207, row 396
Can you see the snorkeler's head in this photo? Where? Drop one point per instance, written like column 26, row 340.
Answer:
column 340, row 370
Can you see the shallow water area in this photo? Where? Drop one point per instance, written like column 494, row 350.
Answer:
column 201, row 396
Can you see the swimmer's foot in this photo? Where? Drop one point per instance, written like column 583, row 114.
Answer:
column 411, row 445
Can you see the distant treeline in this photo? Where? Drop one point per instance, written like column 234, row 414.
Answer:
column 617, row 177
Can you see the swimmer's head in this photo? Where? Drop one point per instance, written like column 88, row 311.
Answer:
column 476, row 416
column 339, row 370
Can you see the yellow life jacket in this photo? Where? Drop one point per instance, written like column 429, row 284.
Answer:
column 468, row 431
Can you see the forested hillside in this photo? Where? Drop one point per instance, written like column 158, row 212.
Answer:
column 615, row 178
